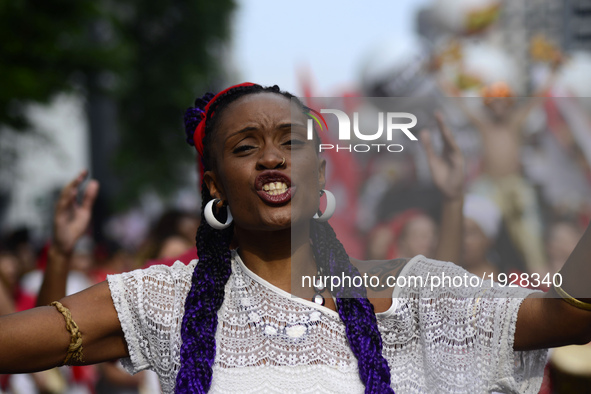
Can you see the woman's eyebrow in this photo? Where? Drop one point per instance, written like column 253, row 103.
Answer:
column 292, row 124
column 282, row 126
column 243, row 130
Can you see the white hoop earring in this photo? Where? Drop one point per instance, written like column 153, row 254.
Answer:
column 331, row 206
column 211, row 219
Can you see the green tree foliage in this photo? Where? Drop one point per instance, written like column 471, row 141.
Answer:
column 178, row 59
column 46, row 49
column 151, row 57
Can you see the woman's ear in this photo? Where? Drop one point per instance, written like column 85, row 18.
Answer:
column 322, row 173
column 211, row 181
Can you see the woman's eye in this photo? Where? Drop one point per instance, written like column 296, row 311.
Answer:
column 242, row 148
column 294, row 141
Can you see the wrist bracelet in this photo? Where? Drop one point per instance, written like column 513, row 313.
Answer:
column 571, row 300
column 75, row 348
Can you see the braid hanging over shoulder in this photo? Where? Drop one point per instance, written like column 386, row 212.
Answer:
column 214, row 268
column 201, row 306
column 354, row 309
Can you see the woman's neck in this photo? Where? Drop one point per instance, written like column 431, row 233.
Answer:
column 277, row 256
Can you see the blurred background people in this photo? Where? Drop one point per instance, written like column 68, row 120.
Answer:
column 482, row 221
column 78, row 276
column 172, row 235
column 408, row 234
column 560, row 241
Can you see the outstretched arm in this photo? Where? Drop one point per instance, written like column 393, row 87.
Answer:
column 520, row 115
column 37, row 339
column 547, row 320
column 447, row 171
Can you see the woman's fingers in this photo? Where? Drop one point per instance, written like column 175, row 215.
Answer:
column 448, row 138
column 70, row 191
column 447, row 166
column 90, row 194
column 78, row 180
column 71, row 216
column 449, row 143
column 433, row 159
column 425, row 137
column 451, row 151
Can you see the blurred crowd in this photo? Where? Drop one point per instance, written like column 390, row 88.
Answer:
column 23, row 265
column 527, row 147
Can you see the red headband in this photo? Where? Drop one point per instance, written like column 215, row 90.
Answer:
column 200, row 129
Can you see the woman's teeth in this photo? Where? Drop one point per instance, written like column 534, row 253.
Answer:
column 275, row 188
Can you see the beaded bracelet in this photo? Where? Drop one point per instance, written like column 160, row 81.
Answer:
column 571, row 300
column 75, row 347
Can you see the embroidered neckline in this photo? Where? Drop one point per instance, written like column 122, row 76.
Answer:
column 395, row 293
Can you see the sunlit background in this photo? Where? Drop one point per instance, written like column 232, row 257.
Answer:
column 103, row 85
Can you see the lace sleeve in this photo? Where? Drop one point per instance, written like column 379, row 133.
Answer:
column 465, row 333
column 149, row 305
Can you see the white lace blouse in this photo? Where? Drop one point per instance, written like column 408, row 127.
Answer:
column 442, row 340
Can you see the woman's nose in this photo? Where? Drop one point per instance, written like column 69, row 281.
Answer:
column 271, row 159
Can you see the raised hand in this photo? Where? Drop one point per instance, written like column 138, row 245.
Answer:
column 447, row 172
column 447, row 169
column 71, row 219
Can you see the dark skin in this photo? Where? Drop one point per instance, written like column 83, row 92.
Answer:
column 37, row 339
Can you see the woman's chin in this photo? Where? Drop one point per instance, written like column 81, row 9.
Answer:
column 267, row 223
column 281, row 222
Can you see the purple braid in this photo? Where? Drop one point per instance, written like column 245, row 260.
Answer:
column 193, row 116
column 214, row 268
column 203, row 301
column 354, row 309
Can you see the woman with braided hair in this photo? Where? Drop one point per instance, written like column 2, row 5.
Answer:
column 227, row 322
column 210, row 277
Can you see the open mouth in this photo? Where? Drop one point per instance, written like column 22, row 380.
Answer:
column 274, row 187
